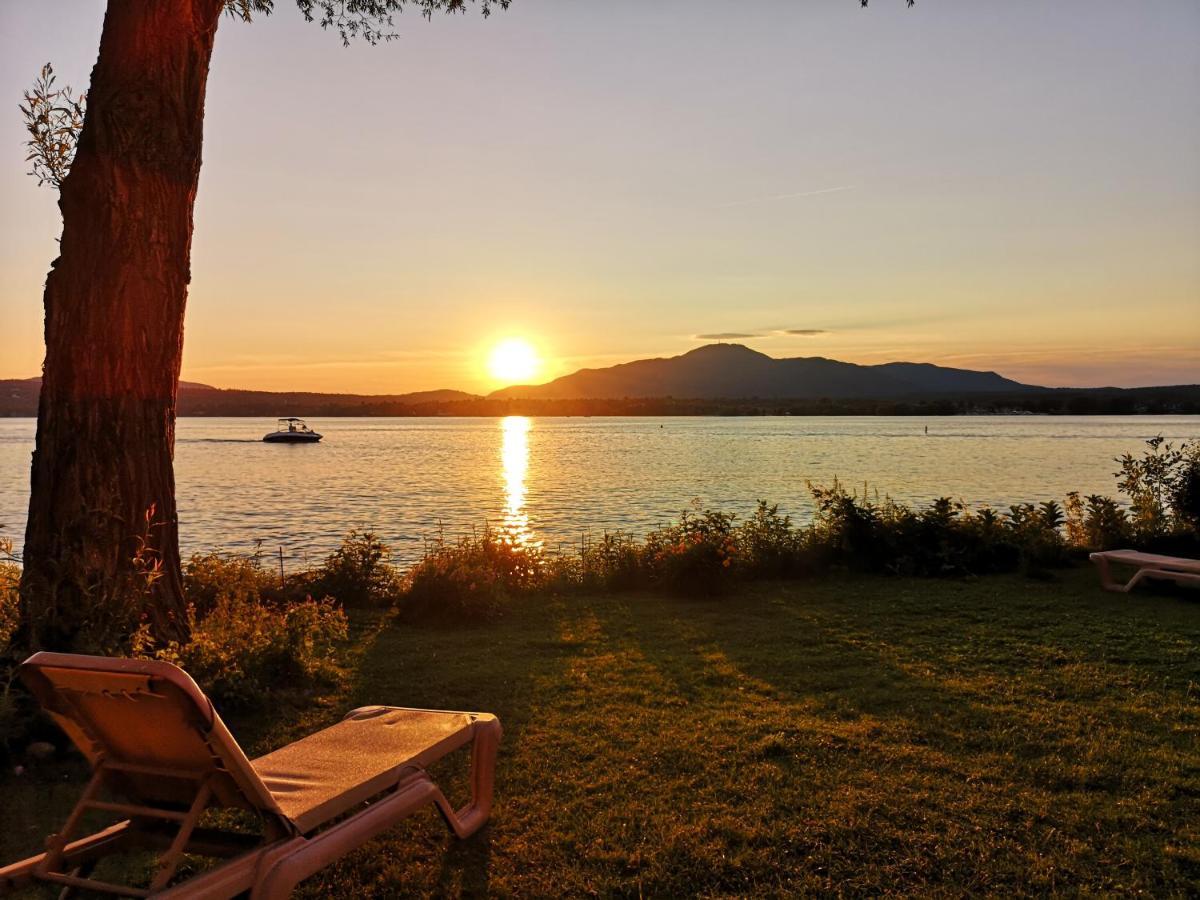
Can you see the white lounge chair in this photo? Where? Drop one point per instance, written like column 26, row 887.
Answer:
column 1148, row 565
column 161, row 756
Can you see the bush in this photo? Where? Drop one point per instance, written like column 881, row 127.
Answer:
column 471, row 580
column 1037, row 533
column 358, row 573
column 250, row 639
column 769, row 546
column 943, row 539
column 243, row 652
column 695, row 556
column 11, row 726
column 1185, row 498
column 210, row 578
column 612, row 563
column 1163, row 490
column 1096, row 523
column 10, row 579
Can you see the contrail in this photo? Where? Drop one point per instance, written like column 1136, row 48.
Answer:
column 830, row 190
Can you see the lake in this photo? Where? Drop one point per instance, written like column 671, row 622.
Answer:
column 548, row 480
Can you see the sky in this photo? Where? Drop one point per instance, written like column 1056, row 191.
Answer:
column 1008, row 186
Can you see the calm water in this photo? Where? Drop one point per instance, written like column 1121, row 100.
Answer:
column 550, row 479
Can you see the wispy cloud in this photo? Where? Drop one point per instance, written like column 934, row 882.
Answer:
column 760, row 333
column 792, row 196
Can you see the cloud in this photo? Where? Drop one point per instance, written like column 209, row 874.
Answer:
column 792, row 196
column 760, row 333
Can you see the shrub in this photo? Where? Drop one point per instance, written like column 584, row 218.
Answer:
column 696, row 555
column 943, row 539
column 209, row 578
column 1036, row 531
column 612, row 563
column 769, row 546
column 1096, row 523
column 11, row 725
column 1163, row 487
column 845, row 527
column 358, row 573
column 10, row 579
column 471, row 580
column 1185, row 496
column 243, row 651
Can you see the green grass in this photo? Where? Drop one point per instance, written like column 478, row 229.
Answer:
column 852, row 735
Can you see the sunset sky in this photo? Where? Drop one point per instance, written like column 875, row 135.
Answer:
column 995, row 185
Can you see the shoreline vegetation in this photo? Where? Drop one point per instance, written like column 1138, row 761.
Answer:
column 19, row 399
column 255, row 628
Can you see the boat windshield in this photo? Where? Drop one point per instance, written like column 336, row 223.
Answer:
column 293, row 425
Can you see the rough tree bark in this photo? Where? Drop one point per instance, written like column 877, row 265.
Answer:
column 101, row 548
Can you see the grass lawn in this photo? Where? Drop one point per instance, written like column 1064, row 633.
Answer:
column 850, row 735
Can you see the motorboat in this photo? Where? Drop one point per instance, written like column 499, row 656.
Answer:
column 291, row 431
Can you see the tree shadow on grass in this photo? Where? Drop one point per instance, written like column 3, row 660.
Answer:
column 928, row 716
column 509, row 669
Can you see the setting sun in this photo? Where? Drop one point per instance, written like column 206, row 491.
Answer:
column 513, row 361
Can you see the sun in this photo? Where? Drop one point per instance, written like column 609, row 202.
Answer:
column 514, row 361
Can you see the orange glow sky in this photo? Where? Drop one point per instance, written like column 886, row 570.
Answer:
column 1007, row 186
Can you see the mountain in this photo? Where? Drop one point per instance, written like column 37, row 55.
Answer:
column 717, row 379
column 19, row 397
column 732, row 371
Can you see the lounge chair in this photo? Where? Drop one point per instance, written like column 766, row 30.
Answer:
column 1148, row 565
column 161, row 756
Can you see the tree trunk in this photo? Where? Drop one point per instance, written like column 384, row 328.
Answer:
column 101, row 553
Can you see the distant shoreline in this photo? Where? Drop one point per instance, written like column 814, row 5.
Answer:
column 916, row 414
column 19, row 399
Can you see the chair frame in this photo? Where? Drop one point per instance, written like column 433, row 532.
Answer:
column 269, row 867
column 1148, row 566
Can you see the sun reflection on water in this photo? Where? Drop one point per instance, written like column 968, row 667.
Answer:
column 514, row 461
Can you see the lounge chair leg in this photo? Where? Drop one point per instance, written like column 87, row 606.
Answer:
column 466, row 821
column 1109, row 583
column 1137, row 576
column 83, row 870
column 174, row 855
column 56, row 844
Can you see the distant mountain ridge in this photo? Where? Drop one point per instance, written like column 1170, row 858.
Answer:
column 734, row 371
column 19, row 397
column 716, row 379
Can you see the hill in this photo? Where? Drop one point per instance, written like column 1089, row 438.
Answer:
column 732, row 371
column 19, row 397
column 717, row 379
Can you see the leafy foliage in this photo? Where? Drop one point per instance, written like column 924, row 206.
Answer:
column 694, row 556
column 10, row 580
column 249, row 638
column 611, row 563
column 367, row 20
column 1162, row 488
column 358, row 573
column 210, row 578
column 243, row 652
column 53, row 117
column 471, row 580
column 1096, row 523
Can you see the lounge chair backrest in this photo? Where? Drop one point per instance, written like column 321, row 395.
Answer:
column 149, row 719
